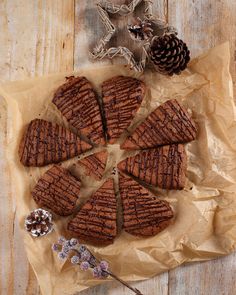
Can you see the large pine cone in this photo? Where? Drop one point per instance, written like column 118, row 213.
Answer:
column 169, row 54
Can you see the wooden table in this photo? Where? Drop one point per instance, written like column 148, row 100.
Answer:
column 44, row 36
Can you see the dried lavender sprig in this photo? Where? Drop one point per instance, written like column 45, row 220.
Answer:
column 87, row 260
column 136, row 291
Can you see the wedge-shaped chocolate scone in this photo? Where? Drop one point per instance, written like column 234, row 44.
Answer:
column 77, row 102
column 95, row 164
column 163, row 166
column 143, row 214
column 169, row 123
column 57, row 190
column 122, row 97
column 96, row 222
column 44, row 143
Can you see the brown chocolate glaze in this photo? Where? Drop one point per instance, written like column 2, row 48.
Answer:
column 163, row 166
column 77, row 102
column 122, row 96
column 44, row 143
column 96, row 222
column 169, row 123
column 57, row 190
column 95, row 164
column 144, row 215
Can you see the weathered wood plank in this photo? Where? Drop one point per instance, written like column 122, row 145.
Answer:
column 155, row 286
column 36, row 38
column 205, row 278
column 6, row 215
column 204, row 24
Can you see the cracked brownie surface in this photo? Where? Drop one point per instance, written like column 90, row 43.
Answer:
column 78, row 103
column 95, row 164
column 143, row 214
column 96, row 222
column 45, row 143
column 57, row 190
column 122, row 97
column 169, row 123
column 163, row 166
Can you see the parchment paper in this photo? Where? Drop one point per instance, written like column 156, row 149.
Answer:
column 205, row 212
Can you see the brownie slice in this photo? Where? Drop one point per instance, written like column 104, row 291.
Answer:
column 57, row 190
column 44, row 143
column 143, row 214
column 96, row 222
column 95, row 164
column 122, row 96
column 77, row 102
column 169, row 123
column 163, row 166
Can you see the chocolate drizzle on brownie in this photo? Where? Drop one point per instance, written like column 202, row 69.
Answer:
column 77, row 102
column 122, row 96
column 96, row 222
column 95, row 164
column 44, row 143
column 57, row 190
column 169, row 123
column 163, row 166
column 143, row 214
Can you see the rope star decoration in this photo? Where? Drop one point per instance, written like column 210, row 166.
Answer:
column 140, row 31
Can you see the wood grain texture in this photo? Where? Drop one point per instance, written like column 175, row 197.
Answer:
column 36, row 38
column 6, row 217
column 204, row 24
column 156, row 286
column 44, row 36
column 205, row 278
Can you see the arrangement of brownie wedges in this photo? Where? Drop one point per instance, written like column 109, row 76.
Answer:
column 161, row 160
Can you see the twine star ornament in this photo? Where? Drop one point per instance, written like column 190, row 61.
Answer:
column 104, row 8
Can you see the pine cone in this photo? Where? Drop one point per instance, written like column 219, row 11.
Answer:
column 169, row 54
column 39, row 223
column 140, row 30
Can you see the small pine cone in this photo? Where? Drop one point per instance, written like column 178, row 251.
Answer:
column 169, row 54
column 140, row 30
column 39, row 223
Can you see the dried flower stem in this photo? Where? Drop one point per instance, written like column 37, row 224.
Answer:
column 136, row 291
column 86, row 260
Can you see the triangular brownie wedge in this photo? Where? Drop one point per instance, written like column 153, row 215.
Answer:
column 122, row 96
column 96, row 222
column 143, row 214
column 57, row 190
column 163, row 166
column 77, row 102
column 169, row 123
column 95, row 164
column 45, row 143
